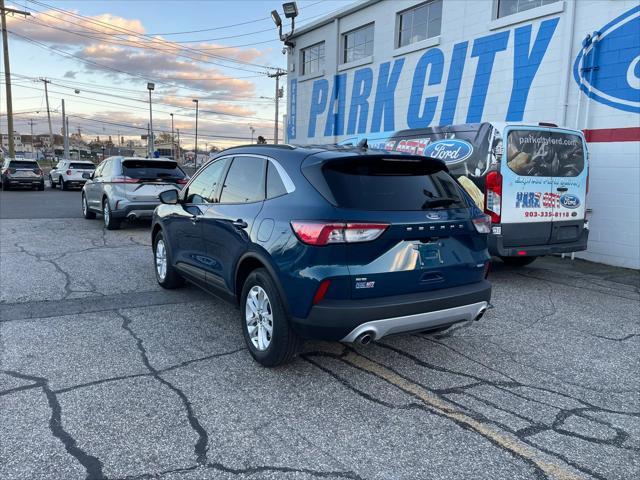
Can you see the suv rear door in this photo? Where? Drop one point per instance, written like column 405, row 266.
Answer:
column 430, row 243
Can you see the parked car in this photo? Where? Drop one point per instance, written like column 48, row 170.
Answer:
column 70, row 173
column 531, row 179
column 339, row 244
column 123, row 187
column 21, row 173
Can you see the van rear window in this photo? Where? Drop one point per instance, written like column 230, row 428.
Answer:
column 391, row 184
column 533, row 153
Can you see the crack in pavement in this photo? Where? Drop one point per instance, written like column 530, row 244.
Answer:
column 246, row 471
column 201, row 445
column 477, row 422
column 148, row 374
column 92, row 465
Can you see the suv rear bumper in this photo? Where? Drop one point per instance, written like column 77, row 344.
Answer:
column 137, row 210
column 345, row 320
column 496, row 247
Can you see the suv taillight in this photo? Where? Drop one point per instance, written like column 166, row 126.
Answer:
column 68, row 172
column 182, row 181
column 319, row 234
column 493, row 196
column 11, row 171
column 124, row 179
column 482, row 224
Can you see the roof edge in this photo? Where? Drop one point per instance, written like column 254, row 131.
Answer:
column 343, row 12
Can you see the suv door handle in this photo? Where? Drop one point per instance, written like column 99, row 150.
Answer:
column 240, row 223
column 562, row 189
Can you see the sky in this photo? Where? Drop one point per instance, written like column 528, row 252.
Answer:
column 100, row 54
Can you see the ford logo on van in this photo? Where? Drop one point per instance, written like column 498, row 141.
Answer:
column 449, row 151
column 569, row 200
column 608, row 66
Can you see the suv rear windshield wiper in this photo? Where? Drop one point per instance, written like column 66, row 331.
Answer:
column 439, row 202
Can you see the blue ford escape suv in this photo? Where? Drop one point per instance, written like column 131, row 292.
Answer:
column 334, row 243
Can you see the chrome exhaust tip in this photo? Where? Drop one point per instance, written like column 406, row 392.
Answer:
column 365, row 338
column 480, row 313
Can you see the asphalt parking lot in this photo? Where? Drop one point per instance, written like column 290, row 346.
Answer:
column 105, row 375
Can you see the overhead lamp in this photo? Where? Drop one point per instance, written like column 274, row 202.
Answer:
column 275, row 16
column 290, row 9
column 151, row 86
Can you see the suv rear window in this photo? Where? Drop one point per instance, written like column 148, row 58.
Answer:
column 152, row 170
column 82, row 166
column 391, row 184
column 23, row 164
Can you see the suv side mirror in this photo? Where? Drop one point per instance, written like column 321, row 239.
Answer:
column 170, row 197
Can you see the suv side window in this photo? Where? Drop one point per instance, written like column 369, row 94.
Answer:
column 98, row 172
column 107, row 168
column 275, row 185
column 204, row 187
column 245, row 181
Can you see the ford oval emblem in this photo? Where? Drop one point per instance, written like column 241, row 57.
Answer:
column 449, row 151
column 615, row 80
column 433, row 216
column 569, row 200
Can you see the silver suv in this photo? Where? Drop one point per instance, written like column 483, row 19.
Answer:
column 69, row 173
column 128, row 187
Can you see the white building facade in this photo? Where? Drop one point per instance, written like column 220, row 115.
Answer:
column 387, row 65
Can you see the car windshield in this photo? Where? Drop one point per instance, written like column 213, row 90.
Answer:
column 391, row 184
column 152, row 170
column 23, row 164
column 82, row 166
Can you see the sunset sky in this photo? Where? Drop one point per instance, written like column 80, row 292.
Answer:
column 216, row 51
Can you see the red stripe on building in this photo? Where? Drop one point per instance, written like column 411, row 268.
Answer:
column 631, row 134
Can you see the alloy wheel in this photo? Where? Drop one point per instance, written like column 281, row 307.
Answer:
column 259, row 318
column 161, row 259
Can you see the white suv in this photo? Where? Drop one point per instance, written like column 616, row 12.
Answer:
column 69, row 173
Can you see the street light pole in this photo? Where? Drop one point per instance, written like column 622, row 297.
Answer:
column 150, row 87
column 253, row 130
column 173, row 141
column 195, row 100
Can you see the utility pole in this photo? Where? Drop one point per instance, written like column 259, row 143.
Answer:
column 46, row 96
column 195, row 100
column 65, row 133
column 277, row 76
column 7, row 72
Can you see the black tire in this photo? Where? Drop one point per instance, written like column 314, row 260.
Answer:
column 86, row 213
column 110, row 223
column 518, row 261
column 41, row 186
column 172, row 279
column 5, row 186
column 63, row 184
column 51, row 182
column 284, row 343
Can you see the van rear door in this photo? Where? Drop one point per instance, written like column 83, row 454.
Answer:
column 528, row 197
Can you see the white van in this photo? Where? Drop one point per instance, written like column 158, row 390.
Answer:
column 531, row 179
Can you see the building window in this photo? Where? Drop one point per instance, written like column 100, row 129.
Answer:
column 358, row 44
column 509, row 7
column 419, row 23
column 313, row 59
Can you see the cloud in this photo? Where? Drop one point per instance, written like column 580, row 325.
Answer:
column 70, row 74
column 113, row 44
